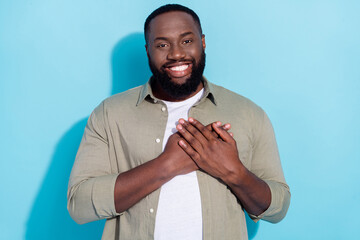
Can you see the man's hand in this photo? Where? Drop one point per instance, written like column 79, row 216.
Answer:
column 133, row 185
column 180, row 161
column 216, row 154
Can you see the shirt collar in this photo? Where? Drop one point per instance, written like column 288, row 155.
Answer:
column 146, row 92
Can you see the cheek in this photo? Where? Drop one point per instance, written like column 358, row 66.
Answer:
column 196, row 51
column 157, row 58
column 196, row 55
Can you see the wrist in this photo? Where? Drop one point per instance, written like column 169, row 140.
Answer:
column 166, row 169
column 236, row 176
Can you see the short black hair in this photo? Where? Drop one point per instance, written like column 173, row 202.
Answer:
column 169, row 8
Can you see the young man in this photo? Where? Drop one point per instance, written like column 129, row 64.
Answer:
column 157, row 161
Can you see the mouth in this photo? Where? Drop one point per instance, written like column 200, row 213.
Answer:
column 178, row 70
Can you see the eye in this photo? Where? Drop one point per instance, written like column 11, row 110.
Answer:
column 187, row 41
column 161, row 45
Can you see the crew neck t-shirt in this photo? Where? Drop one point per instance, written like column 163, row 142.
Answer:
column 179, row 214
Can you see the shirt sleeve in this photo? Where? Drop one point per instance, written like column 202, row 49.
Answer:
column 267, row 166
column 91, row 185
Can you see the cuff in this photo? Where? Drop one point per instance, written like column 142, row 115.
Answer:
column 103, row 196
column 280, row 200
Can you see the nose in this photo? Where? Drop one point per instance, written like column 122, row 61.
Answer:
column 176, row 53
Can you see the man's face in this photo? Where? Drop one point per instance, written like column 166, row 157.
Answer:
column 176, row 55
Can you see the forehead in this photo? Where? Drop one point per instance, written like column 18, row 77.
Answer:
column 172, row 24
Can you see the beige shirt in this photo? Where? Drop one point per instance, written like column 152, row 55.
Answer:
column 126, row 130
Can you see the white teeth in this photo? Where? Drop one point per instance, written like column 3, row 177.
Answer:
column 179, row 68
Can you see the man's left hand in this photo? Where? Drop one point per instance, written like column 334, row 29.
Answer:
column 218, row 156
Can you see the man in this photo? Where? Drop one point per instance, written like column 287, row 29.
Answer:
column 157, row 161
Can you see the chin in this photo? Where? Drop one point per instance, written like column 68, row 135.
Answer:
column 180, row 81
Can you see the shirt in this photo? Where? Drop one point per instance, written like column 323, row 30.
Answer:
column 126, row 130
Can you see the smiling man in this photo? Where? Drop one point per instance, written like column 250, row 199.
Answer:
column 159, row 161
column 175, row 48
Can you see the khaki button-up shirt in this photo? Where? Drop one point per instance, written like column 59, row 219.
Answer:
column 126, row 130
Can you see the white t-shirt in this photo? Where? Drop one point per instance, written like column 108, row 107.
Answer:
column 179, row 214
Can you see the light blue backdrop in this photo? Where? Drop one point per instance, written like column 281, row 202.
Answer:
column 299, row 60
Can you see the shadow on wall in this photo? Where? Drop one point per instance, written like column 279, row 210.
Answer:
column 252, row 227
column 49, row 218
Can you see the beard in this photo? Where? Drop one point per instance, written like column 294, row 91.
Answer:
column 180, row 91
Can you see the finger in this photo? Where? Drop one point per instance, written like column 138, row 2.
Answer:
column 203, row 130
column 226, row 126
column 209, row 127
column 190, row 151
column 188, row 136
column 224, row 135
column 197, row 133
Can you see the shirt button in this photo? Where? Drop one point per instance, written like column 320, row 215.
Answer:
column 163, row 109
column 151, row 210
column 157, row 140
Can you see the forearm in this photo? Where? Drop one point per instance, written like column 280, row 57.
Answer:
column 253, row 193
column 219, row 158
column 109, row 195
column 137, row 183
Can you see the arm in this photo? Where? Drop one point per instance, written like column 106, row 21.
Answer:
column 95, row 191
column 219, row 158
column 137, row 183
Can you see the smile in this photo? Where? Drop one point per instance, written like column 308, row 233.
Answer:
column 179, row 71
column 179, row 68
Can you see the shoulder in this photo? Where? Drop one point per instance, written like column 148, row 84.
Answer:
column 117, row 104
column 118, row 101
column 129, row 97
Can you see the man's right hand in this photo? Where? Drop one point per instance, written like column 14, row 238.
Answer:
column 177, row 160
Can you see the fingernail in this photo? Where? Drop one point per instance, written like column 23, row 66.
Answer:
column 218, row 123
column 179, row 127
column 191, row 120
column 181, row 142
column 181, row 121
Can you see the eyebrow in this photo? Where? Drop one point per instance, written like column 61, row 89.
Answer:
column 181, row 35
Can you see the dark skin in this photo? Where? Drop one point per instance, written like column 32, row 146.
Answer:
column 218, row 156
column 137, row 183
column 174, row 41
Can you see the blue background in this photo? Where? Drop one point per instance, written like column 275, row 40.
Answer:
column 299, row 60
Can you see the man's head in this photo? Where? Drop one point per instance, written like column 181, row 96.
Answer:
column 175, row 48
column 170, row 8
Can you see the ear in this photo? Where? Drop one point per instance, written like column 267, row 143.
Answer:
column 203, row 41
column 147, row 49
